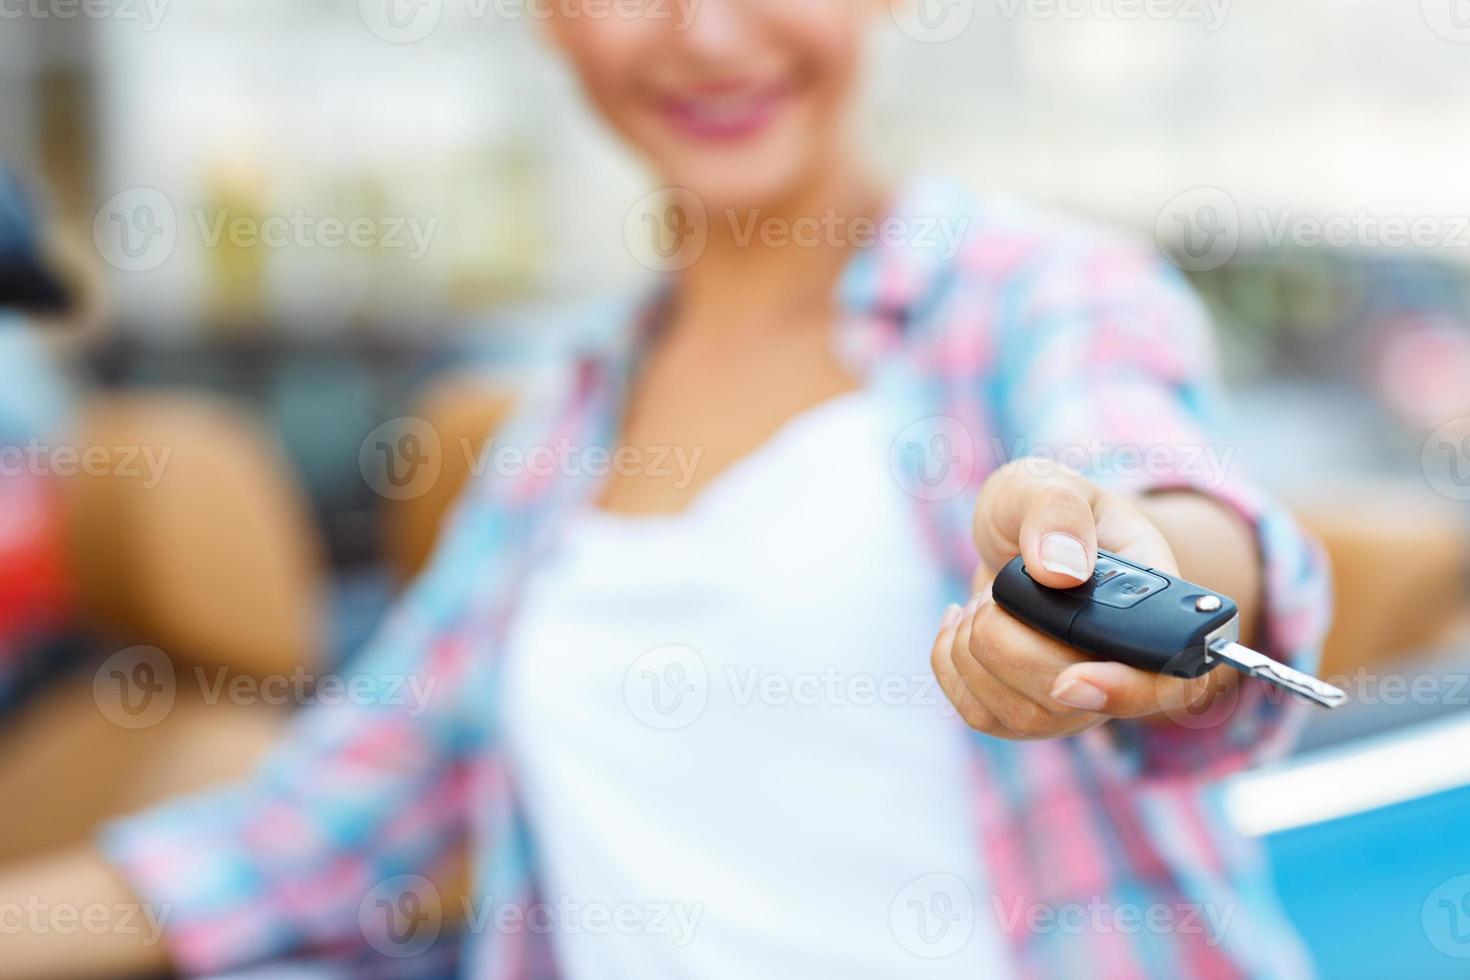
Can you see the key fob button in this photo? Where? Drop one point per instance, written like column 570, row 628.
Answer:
column 1128, row 587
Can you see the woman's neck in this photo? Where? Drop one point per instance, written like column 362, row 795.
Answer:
column 765, row 268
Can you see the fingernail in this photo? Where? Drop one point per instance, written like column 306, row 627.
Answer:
column 976, row 601
column 1065, row 555
column 1078, row 693
column 952, row 614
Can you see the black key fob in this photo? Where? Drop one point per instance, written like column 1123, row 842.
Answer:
column 1125, row 612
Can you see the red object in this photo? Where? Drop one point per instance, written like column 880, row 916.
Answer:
column 35, row 592
column 1422, row 369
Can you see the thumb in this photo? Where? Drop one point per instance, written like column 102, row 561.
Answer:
column 1045, row 517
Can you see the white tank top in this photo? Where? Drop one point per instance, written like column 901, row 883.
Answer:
column 733, row 754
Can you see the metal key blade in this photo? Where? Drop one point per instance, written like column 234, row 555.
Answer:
column 1243, row 658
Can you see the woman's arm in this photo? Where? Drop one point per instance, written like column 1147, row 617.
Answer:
column 1213, row 546
column 366, row 787
column 70, row 915
column 1011, row 681
column 1108, row 365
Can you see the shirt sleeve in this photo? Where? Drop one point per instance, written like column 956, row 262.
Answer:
column 1110, row 367
column 369, row 783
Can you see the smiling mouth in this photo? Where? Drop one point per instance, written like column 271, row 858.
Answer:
column 727, row 114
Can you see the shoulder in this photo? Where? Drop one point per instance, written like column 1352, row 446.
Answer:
column 1013, row 277
column 537, row 348
column 557, row 362
column 1032, row 256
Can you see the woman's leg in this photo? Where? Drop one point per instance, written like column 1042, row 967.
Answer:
column 197, row 539
column 65, row 766
column 193, row 539
column 48, row 898
column 465, row 410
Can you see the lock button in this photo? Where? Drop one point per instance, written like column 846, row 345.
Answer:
column 1124, row 586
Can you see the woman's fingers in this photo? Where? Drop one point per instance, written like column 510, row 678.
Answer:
column 941, row 659
column 1007, row 680
column 1019, row 657
column 1044, row 512
column 1009, row 701
column 1131, row 693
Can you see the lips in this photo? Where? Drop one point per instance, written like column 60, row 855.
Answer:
column 725, row 114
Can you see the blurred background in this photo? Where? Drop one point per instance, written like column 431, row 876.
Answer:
column 442, row 199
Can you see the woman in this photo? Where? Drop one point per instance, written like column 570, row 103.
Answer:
column 692, row 700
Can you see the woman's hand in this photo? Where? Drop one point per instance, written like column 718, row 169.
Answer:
column 1010, row 681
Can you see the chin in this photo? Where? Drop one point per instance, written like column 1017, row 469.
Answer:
column 739, row 185
column 763, row 173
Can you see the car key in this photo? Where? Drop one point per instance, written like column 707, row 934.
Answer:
column 1146, row 619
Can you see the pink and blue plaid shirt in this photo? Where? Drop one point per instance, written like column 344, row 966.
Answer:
column 1034, row 336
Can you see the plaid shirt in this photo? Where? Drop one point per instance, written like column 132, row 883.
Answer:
column 1033, row 336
